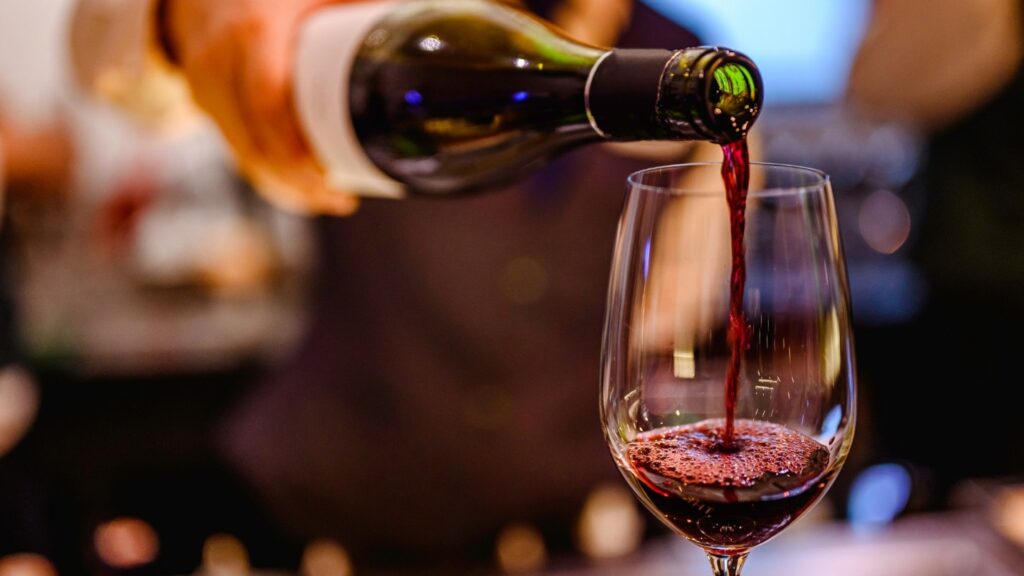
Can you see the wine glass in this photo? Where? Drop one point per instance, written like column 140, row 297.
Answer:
column 667, row 351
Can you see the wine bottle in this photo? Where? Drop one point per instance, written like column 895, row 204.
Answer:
column 443, row 97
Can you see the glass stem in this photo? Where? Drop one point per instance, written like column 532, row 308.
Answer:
column 727, row 565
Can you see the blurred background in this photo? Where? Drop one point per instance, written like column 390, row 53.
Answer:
column 196, row 382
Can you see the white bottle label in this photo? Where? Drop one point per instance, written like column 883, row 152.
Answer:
column 328, row 45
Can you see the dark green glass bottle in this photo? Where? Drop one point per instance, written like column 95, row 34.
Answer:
column 452, row 96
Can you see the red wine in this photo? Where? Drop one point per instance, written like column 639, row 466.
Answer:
column 729, row 498
column 736, row 176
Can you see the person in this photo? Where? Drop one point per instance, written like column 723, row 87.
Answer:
column 141, row 284
column 947, row 377
column 447, row 385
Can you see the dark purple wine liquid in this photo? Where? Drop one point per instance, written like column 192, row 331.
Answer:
column 729, row 498
column 736, row 177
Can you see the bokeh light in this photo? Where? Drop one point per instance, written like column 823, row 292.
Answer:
column 521, row 549
column 224, row 555
column 524, row 280
column 878, row 495
column 610, row 525
column 26, row 565
column 19, row 402
column 325, row 558
column 884, row 221
column 126, row 543
column 1008, row 514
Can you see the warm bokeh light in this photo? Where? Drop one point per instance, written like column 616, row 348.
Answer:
column 610, row 525
column 884, row 221
column 1008, row 513
column 126, row 543
column 325, row 558
column 224, row 555
column 19, row 402
column 524, row 280
column 26, row 565
column 520, row 549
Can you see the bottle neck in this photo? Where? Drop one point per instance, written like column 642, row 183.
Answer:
column 622, row 94
column 699, row 93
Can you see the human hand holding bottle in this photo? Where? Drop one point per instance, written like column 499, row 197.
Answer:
column 450, row 98
column 237, row 56
column 237, row 59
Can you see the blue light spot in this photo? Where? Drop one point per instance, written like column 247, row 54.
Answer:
column 520, row 96
column 830, row 425
column 647, row 258
column 413, row 98
column 878, row 495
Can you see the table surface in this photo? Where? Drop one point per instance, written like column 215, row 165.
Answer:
column 949, row 544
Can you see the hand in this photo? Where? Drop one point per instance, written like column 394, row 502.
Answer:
column 598, row 22
column 237, row 56
column 932, row 67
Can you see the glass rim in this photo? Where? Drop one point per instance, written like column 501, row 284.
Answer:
column 821, row 180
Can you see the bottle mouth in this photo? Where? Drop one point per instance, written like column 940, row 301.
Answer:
column 735, row 94
column 718, row 92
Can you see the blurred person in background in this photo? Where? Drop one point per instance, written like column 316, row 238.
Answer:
column 143, row 284
column 948, row 379
column 35, row 167
column 446, row 386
